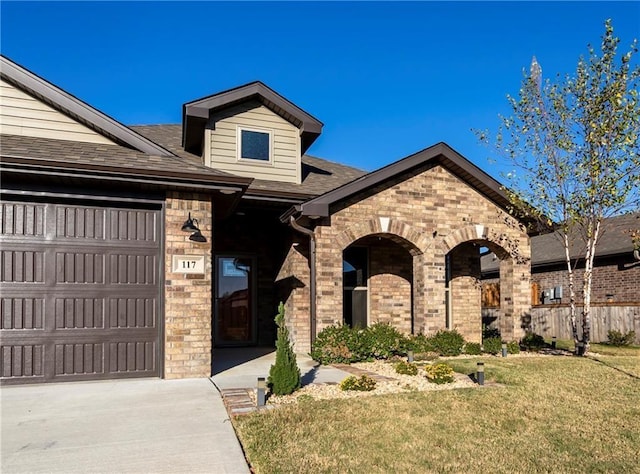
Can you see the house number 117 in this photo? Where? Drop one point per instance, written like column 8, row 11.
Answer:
column 188, row 264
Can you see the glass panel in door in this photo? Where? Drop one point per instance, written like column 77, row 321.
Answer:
column 234, row 301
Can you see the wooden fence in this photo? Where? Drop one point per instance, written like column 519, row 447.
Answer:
column 553, row 320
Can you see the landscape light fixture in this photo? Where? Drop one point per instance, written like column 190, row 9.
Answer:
column 480, row 373
column 504, row 350
column 261, row 395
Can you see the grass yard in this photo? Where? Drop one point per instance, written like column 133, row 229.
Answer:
column 553, row 414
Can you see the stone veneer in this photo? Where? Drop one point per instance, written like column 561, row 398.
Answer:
column 428, row 211
column 187, row 307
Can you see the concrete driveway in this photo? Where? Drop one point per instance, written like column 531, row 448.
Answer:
column 141, row 425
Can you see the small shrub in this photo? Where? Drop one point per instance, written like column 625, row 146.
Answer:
column 439, row 373
column 489, row 332
column 617, row 338
column 472, row 348
column 361, row 384
column 513, row 347
column 422, row 356
column 336, row 344
column 447, row 343
column 406, row 368
column 384, row 341
column 493, row 345
column 305, row 398
column 419, row 343
column 532, row 342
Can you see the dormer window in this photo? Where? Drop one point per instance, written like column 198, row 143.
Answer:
column 254, row 144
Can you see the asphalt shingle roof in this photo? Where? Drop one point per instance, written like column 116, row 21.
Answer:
column 548, row 248
column 68, row 153
column 318, row 175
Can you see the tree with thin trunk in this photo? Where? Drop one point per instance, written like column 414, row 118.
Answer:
column 574, row 147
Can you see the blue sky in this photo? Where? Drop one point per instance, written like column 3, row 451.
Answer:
column 386, row 79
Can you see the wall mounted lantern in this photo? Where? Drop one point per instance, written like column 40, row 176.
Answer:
column 191, row 225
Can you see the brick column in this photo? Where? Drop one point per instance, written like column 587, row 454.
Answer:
column 515, row 298
column 187, row 296
column 435, row 314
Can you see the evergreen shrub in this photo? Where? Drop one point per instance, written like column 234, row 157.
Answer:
column 284, row 375
column 617, row 338
column 472, row 348
column 447, row 343
column 492, row 345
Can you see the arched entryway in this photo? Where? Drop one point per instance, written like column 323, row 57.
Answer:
column 463, row 287
column 377, row 282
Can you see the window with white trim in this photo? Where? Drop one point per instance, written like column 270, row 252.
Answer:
column 254, row 144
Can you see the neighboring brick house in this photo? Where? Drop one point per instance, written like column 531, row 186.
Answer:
column 135, row 251
column 615, row 293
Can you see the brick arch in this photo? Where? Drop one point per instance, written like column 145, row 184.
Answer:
column 394, row 229
column 502, row 245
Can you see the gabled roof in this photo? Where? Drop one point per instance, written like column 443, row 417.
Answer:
column 76, row 109
column 318, row 175
column 196, row 113
column 441, row 154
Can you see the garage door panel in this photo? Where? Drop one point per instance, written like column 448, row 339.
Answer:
column 132, row 313
column 22, row 219
column 85, row 313
column 80, row 222
column 23, row 266
column 133, row 225
column 80, row 267
column 132, row 356
column 21, row 313
column 79, row 359
column 133, row 269
column 24, row 360
column 81, row 301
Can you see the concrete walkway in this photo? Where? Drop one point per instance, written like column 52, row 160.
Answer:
column 240, row 368
column 141, row 425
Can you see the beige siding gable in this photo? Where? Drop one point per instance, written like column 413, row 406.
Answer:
column 23, row 114
column 222, row 138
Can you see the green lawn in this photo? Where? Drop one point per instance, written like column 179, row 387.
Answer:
column 552, row 414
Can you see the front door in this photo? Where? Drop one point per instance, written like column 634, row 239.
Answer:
column 235, row 315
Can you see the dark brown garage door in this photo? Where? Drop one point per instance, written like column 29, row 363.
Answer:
column 80, row 291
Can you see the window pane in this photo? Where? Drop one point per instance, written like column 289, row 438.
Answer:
column 255, row 145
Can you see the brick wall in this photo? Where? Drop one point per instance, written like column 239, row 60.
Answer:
column 430, row 212
column 389, row 283
column 464, row 285
column 187, row 296
column 613, row 281
column 292, row 283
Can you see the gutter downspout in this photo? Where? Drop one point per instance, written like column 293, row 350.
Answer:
column 312, row 270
